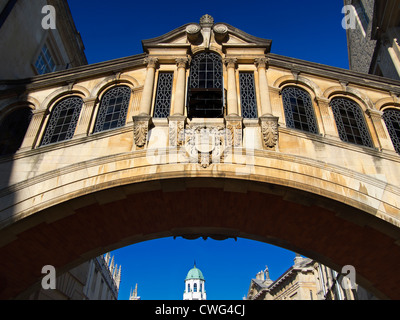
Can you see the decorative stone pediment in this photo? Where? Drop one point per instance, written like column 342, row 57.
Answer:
column 206, row 34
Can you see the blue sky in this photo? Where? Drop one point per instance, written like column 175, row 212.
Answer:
column 309, row 30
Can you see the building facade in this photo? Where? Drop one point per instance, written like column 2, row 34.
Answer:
column 96, row 279
column 195, row 285
column 306, row 280
column 36, row 48
column 373, row 37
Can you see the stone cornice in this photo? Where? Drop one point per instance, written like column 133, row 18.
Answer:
column 335, row 73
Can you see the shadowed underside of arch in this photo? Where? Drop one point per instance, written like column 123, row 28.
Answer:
column 72, row 232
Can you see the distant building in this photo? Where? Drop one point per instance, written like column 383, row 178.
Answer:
column 305, row 280
column 97, row 279
column 373, row 42
column 134, row 294
column 195, row 285
column 31, row 49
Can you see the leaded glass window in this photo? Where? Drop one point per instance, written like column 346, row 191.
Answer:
column 248, row 95
column 13, row 129
column 350, row 122
column 63, row 120
column 205, row 96
column 299, row 111
column 392, row 121
column 206, row 71
column 163, row 96
column 113, row 109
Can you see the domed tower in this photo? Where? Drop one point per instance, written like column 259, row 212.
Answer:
column 195, row 285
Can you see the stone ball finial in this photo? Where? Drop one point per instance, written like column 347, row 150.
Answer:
column 206, row 21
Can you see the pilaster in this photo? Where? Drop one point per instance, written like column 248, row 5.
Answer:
column 262, row 66
column 32, row 134
column 328, row 121
column 382, row 135
column 86, row 116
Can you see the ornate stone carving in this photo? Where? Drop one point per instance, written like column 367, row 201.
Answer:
column 193, row 32
column 176, row 130
column 206, row 21
column 220, row 32
column 205, row 145
column 151, row 62
column 234, row 128
column 140, row 130
column 230, row 62
column 261, row 62
column 182, row 62
column 269, row 131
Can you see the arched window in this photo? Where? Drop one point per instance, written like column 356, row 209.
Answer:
column 392, row 121
column 113, row 109
column 13, row 129
column 350, row 122
column 205, row 97
column 195, row 287
column 201, row 287
column 299, row 111
column 63, row 120
column 188, row 287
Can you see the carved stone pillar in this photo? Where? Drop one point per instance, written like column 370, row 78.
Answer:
column 269, row 132
column 232, row 94
column 179, row 104
column 32, row 134
column 382, row 135
column 261, row 64
column 147, row 94
column 85, row 120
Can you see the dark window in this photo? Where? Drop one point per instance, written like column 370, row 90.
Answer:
column 13, row 129
column 195, row 287
column 248, row 95
column 45, row 62
column 63, row 120
column 392, row 121
column 163, row 96
column 350, row 122
column 113, row 109
column 299, row 111
column 205, row 96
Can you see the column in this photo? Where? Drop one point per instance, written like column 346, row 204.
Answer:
column 86, row 117
column 179, row 104
column 268, row 123
column 147, row 94
column 177, row 120
column 393, row 56
column 261, row 64
column 141, row 122
column 232, row 95
column 233, row 122
column 34, row 129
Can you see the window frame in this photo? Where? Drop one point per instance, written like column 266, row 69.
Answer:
column 394, row 137
column 101, row 118
column 244, row 101
column 53, row 123
column 340, row 126
column 309, row 114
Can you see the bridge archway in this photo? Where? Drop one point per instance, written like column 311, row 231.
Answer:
column 293, row 212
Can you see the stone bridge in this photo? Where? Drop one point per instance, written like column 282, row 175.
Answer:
column 325, row 185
